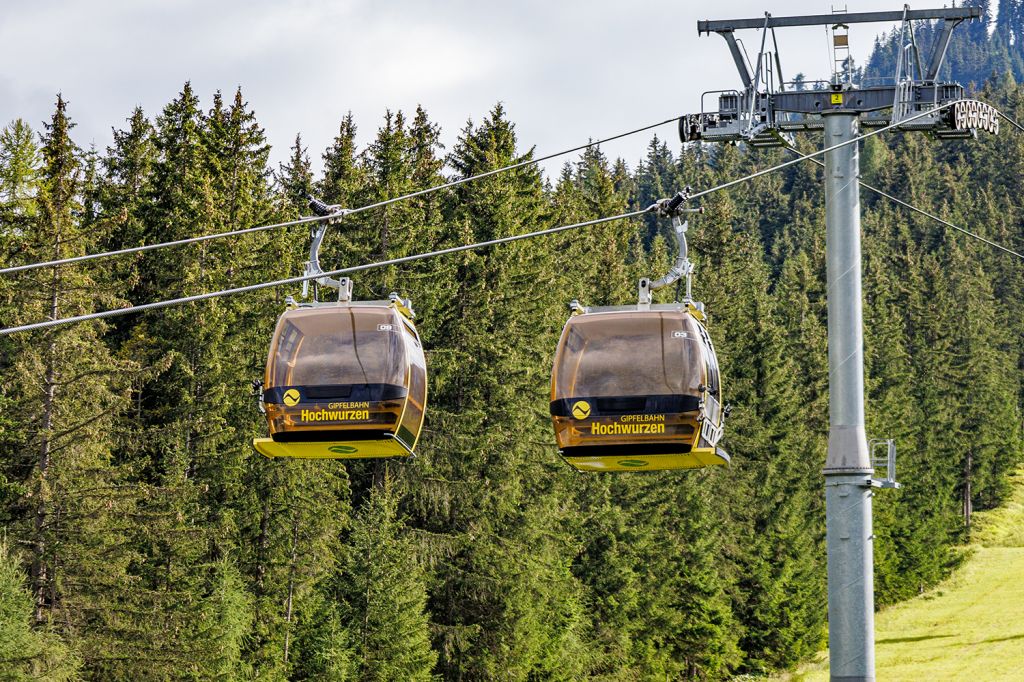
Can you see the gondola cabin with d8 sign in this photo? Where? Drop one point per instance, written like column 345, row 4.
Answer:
column 637, row 388
column 344, row 379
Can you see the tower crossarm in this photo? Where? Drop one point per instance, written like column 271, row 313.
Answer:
column 948, row 13
column 765, row 116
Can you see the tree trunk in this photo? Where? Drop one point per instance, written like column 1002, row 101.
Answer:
column 291, row 585
column 40, row 568
column 968, row 506
column 263, row 546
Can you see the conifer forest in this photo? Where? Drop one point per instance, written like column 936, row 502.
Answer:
column 144, row 539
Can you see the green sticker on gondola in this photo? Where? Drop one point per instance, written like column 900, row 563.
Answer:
column 632, row 463
column 343, row 449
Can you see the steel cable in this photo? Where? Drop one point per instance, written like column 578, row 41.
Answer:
column 315, row 219
column 456, row 249
column 298, row 280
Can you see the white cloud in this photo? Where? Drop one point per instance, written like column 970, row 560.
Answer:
column 567, row 71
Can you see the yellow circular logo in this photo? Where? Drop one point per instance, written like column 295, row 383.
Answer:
column 291, row 397
column 581, row 409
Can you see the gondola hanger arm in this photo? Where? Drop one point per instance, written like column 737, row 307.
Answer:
column 334, row 213
column 673, row 208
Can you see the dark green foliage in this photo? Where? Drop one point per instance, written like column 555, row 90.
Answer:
column 382, row 594
column 156, row 545
column 68, row 390
column 506, row 604
column 295, row 180
column 19, row 169
column 342, row 175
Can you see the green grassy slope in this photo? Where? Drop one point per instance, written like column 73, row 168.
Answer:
column 969, row 628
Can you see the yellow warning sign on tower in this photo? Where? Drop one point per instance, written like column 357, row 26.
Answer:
column 581, row 409
column 291, row 397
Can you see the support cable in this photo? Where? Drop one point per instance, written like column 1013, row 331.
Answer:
column 315, row 219
column 151, row 247
column 936, row 218
column 455, row 249
column 940, row 220
column 1009, row 120
column 304, row 278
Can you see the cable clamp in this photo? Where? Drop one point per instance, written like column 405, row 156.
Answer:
column 332, row 218
column 333, row 212
column 673, row 207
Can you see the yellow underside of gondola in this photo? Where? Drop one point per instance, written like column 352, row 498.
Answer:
column 696, row 458
column 354, row 449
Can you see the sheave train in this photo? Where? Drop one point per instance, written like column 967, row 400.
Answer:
column 633, row 388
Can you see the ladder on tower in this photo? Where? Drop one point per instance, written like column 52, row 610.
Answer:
column 842, row 67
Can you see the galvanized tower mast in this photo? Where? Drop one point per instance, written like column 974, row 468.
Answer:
column 765, row 113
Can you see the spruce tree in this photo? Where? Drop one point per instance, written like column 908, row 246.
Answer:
column 186, row 455
column 70, row 391
column 342, row 175
column 19, row 169
column 505, row 604
column 27, row 653
column 656, row 178
column 382, row 590
column 292, row 518
column 295, row 181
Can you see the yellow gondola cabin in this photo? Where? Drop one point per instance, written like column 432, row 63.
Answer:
column 635, row 390
column 344, row 380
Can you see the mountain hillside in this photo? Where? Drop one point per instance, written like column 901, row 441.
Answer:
column 143, row 538
column 971, row 625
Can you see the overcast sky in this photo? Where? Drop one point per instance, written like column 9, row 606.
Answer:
column 566, row 70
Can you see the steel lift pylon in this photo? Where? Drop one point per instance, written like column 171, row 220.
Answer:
column 765, row 112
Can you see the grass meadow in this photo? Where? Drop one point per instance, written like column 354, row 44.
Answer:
column 971, row 627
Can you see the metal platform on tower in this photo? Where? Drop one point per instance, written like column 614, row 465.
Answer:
column 768, row 109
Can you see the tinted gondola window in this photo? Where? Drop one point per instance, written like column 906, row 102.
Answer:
column 344, row 346
column 630, row 353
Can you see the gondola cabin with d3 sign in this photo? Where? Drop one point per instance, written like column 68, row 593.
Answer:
column 344, row 380
column 636, row 390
